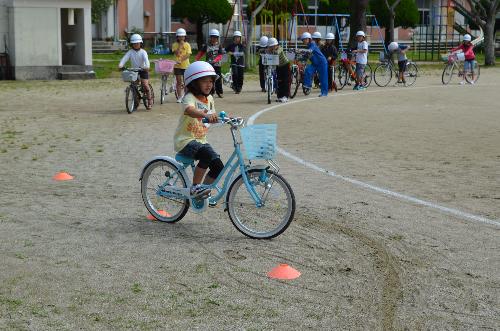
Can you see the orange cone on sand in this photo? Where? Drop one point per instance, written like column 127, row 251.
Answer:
column 161, row 212
column 283, row 271
column 62, row 176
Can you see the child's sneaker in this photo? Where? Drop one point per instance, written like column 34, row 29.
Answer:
column 356, row 87
column 462, row 83
column 199, row 190
column 472, row 83
column 212, row 204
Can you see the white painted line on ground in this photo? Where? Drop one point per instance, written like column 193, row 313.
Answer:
column 356, row 182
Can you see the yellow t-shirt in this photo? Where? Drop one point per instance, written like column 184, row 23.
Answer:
column 190, row 128
column 183, row 51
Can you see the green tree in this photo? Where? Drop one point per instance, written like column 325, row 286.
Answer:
column 483, row 13
column 394, row 13
column 98, row 7
column 203, row 12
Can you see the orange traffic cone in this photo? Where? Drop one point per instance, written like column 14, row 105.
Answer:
column 283, row 271
column 161, row 212
column 62, row 176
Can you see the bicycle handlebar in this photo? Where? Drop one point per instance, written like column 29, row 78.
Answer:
column 224, row 119
column 132, row 69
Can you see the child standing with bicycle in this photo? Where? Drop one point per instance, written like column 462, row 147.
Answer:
column 139, row 59
column 237, row 51
column 261, row 49
column 182, row 51
column 395, row 48
column 282, row 70
column 190, row 136
column 330, row 52
column 468, row 49
column 318, row 63
column 361, row 59
column 213, row 55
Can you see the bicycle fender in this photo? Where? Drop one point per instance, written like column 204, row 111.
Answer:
column 171, row 160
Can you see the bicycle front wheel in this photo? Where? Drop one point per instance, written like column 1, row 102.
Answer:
column 342, row 77
column 130, row 99
column 163, row 91
column 159, row 177
column 411, row 74
column 277, row 211
column 367, row 76
column 269, row 88
column 294, row 86
column 382, row 75
column 448, row 73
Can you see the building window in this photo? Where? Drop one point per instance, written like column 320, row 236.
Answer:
column 424, row 17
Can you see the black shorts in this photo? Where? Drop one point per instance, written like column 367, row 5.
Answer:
column 198, row 151
column 179, row 72
column 143, row 74
column 402, row 65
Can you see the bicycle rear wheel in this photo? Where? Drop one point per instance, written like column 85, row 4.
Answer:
column 131, row 99
column 158, row 177
column 411, row 74
column 474, row 73
column 448, row 73
column 273, row 217
column 382, row 75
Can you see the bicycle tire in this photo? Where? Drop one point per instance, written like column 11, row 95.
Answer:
column 448, row 73
column 342, row 77
column 269, row 87
column 382, row 75
column 235, row 211
column 163, row 91
column 130, row 99
column 367, row 78
column 476, row 74
column 411, row 74
column 162, row 212
column 294, row 87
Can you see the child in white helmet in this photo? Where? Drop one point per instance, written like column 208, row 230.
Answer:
column 213, row 55
column 316, row 36
column 468, row 49
column 330, row 52
column 282, row 70
column 361, row 59
column 190, row 138
column 182, row 52
column 261, row 49
column 237, row 52
column 400, row 50
column 139, row 59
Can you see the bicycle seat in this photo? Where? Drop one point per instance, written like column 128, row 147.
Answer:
column 184, row 159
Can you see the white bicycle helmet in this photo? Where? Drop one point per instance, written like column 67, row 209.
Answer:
column 135, row 38
column 305, row 35
column 330, row 36
column 360, row 33
column 197, row 70
column 272, row 42
column 237, row 34
column 393, row 46
column 263, row 41
column 180, row 32
column 316, row 35
column 214, row 33
column 467, row 37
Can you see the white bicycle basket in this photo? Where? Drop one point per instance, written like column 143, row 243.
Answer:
column 259, row 141
column 270, row 59
column 129, row 76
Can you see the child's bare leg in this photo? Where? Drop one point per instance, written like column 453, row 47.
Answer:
column 145, row 85
column 179, row 86
column 198, row 175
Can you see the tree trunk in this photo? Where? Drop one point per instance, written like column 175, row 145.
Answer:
column 489, row 42
column 199, row 34
column 358, row 19
column 392, row 15
column 250, row 32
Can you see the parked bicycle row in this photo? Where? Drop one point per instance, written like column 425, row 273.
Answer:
column 283, row 72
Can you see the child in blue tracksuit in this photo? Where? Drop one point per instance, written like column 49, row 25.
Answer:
column 318, row 63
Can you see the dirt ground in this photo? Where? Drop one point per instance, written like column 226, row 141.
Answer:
column 82, row 255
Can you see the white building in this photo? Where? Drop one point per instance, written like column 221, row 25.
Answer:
column 47, row 39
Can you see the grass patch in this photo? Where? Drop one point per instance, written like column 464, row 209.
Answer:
column 10, row 303
column 136, row 288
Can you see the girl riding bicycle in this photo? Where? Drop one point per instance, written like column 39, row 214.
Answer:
column 190, row 136
column 182, row 51
column 139, row 59
column 282, row 70
column 468, row 49
column 395, row 48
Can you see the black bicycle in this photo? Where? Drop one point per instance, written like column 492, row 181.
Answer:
column 135, row 92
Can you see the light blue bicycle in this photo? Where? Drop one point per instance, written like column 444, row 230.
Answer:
column 260, row 202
